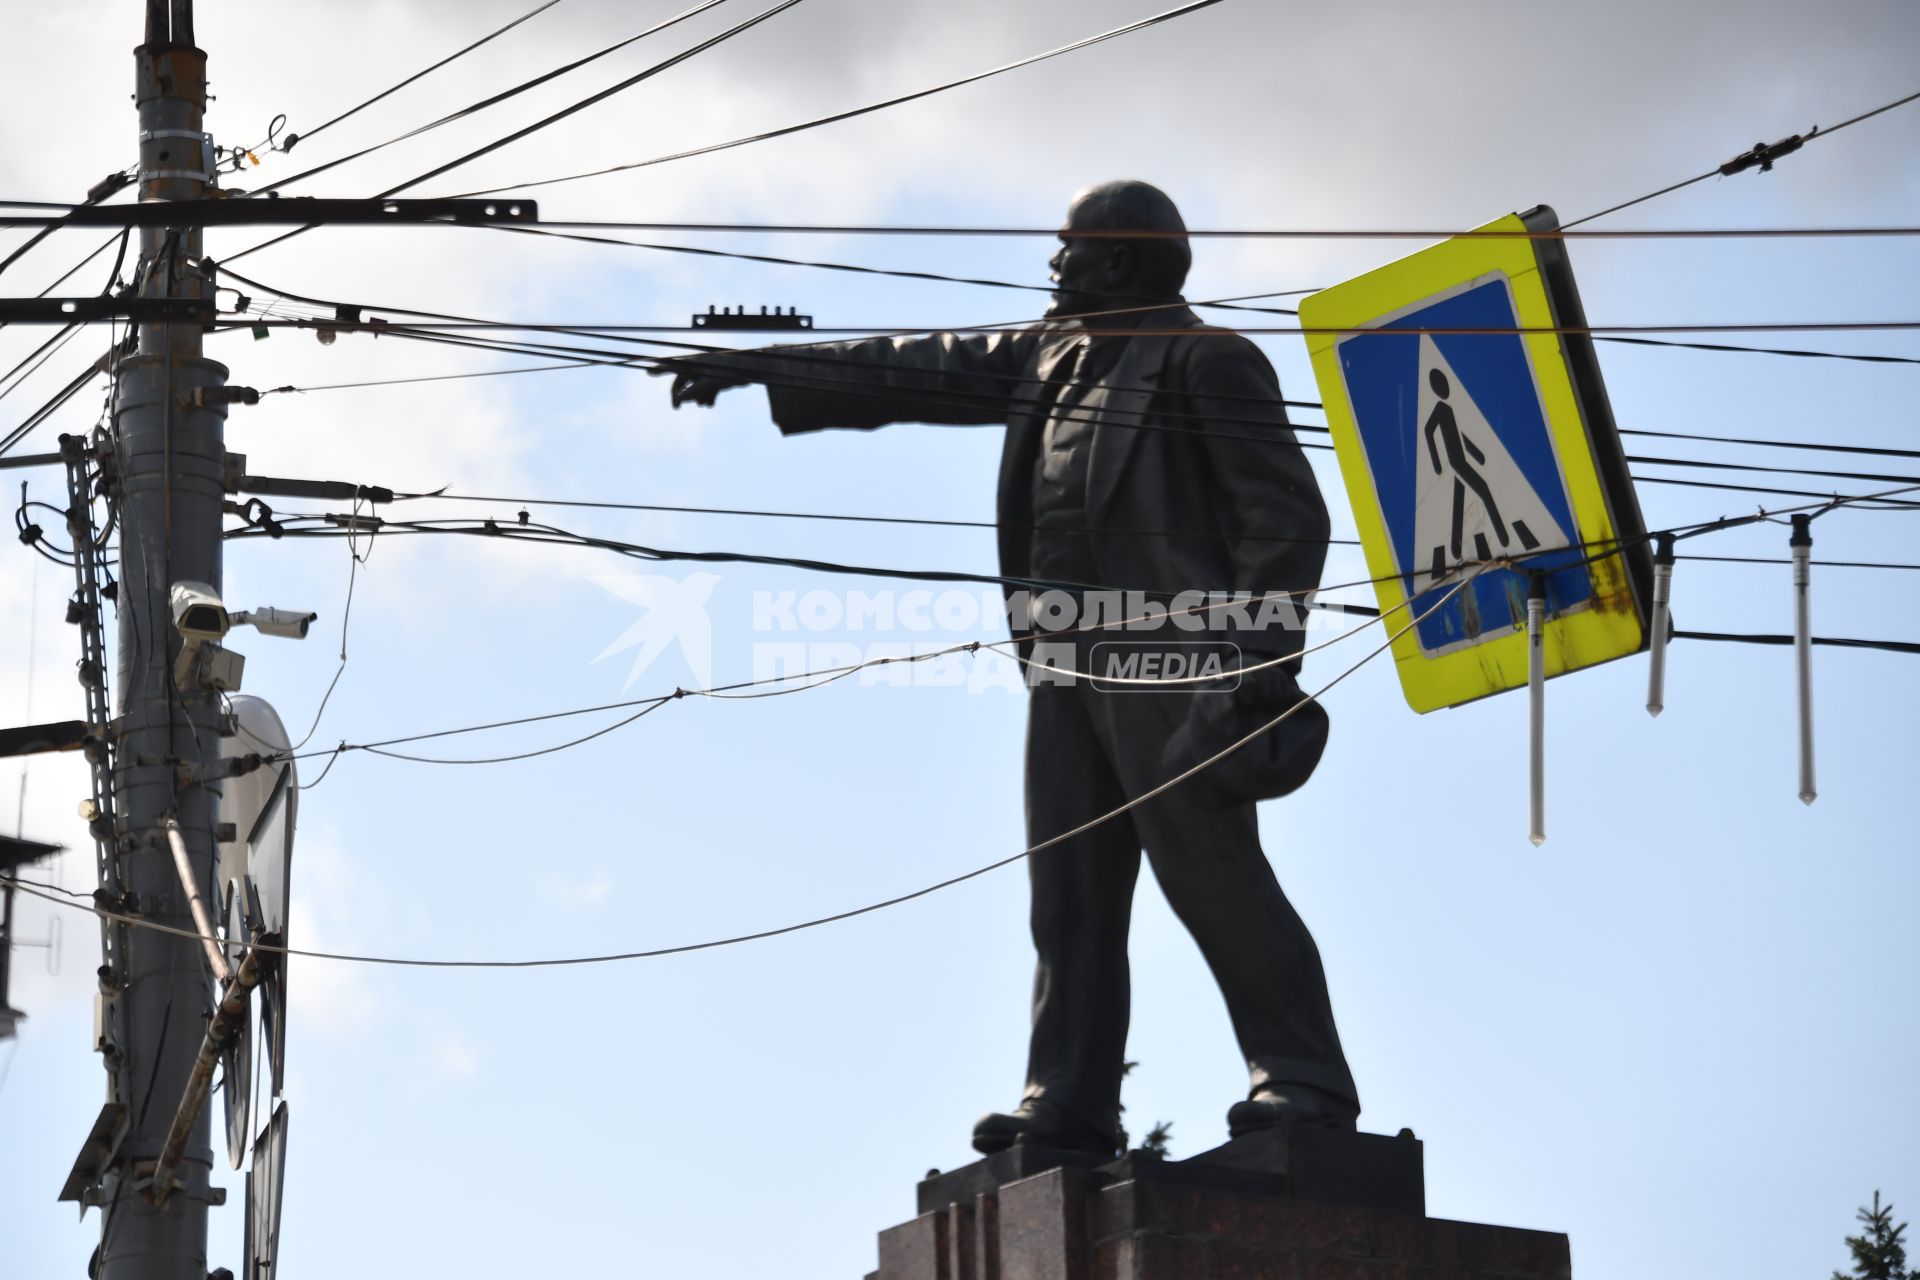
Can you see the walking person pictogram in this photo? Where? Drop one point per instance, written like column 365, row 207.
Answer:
column 1463, row 457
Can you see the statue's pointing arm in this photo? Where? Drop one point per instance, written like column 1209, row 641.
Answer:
column 939, row 377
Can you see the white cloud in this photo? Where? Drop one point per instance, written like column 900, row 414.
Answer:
column 453, row 1057
column 589, row 889
column 336, row 907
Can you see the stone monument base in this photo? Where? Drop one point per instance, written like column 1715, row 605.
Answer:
column 1305, row 1204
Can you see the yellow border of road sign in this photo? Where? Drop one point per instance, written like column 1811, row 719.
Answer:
column 1607, row 626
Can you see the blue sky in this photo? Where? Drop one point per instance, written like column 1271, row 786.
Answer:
column 1683, row 1031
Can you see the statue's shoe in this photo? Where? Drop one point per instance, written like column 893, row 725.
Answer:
column 1042, row 1124
column 1290, row 1104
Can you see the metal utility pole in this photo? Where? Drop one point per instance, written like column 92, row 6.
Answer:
column 171, row 456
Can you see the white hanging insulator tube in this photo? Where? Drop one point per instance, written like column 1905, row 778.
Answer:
column 1802, row 545
column 1662, row 623
column 183, row 866
column 1537, row 710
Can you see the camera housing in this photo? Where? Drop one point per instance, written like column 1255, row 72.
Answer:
column 198, row 612
column 200, row 616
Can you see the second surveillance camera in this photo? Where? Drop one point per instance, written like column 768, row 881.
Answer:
column 290, row 624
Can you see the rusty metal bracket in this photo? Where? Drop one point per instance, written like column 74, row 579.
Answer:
column 224, row 1024
column 96, row 1153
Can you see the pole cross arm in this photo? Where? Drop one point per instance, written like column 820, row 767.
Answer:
column 16, row 853
column 34, row 739
column 276, row 212
column 99, row 307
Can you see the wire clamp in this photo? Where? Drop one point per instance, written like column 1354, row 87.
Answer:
column 107, row 186
column 1764, row 154
column 211, row 397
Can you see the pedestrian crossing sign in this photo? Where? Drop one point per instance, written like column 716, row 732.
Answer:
column 1475, row 440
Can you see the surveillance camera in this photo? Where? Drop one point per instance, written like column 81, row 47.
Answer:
column 198, row 613
column 291, row 624
column 200, row 617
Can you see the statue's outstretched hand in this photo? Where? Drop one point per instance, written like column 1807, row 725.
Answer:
column 701, row 385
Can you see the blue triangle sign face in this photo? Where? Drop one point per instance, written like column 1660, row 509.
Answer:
column 1462, row 461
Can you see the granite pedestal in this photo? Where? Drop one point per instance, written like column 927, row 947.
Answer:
column 1304, row 1204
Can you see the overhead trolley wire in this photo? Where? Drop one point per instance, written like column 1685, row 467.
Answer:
column 1818, row 564
column 786, row 351
column 598, row 329
column 813, row 680
column 433, row 377
column 978, row 400
column 1225, row 304
column 1774, row 443
column 292, row 525
column 1876, row 476
column 584, row 363
column 50, row 348
column 75, row 269
column 931, row 396
column 851, row 518
column 1800, row 353
column 647, row 362
column 1841, row 642
column 1232, row 304
column 557, row 116
column 523, row 87
column 21, row 250
column 836, row 117
column 1888, row 504
column 1222, row 304
column 559, row 364
column 104, row 364
column 804, row 681
column 1232, row 233
column 455, row 56
column 1228, row 304
column 897, row 900
column 934, row 523
column 967, row 399
column 1599, row 333
column 89, row 902
column 797, row 353
column 45, row 411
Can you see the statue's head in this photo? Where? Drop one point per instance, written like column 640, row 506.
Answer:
column 1107, row 271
